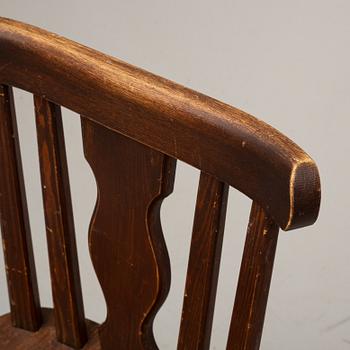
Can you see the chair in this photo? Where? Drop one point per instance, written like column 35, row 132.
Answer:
column 134, row 126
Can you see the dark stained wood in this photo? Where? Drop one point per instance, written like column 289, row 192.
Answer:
column 65, row 279
column 254, row 282
column 203, row 265
column 219, row 139
column 16, row 236
column 135, row 126
column 45, row 339
column 126, row 241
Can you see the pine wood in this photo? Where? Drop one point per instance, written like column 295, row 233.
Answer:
column 203, row 265
column 15, row 229
column 135, row 125
column 65, row 280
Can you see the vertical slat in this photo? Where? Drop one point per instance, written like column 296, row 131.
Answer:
column 65, row 279
column 126, row 241
column 254, row 282
column 203, row 266
column 17, row 244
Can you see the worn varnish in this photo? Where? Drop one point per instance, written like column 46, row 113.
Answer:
column 16, row 236
column 65, row 280
column 203, row 265
column 125, row 233
column 219, row 139
column 135, row 125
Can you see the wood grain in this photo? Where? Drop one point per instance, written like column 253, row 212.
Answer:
column 135, row 126
column 15, row 229
column 221, row 140
column 126, row 241
column 203, row 265
column 65, row 279
column 254, row 282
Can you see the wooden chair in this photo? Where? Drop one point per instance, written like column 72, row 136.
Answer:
column 134, row 126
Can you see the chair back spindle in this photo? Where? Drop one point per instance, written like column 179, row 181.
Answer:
column 15, row 229
column 65, row 278
column 204, row 262
column 254, row 281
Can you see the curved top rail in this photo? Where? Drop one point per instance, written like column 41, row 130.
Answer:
column 210, row 135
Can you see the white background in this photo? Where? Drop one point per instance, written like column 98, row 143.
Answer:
column 286, row 62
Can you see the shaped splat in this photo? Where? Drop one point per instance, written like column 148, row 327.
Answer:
column 126, row 241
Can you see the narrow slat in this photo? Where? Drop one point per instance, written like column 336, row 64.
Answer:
column 15, row 228
column 203, row 266
column 65, row 279
column 254, row 281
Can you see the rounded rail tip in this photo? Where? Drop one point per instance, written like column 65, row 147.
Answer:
column 305, row 195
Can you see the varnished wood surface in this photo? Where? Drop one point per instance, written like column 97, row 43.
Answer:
column 12, row 338
column 65, row 278
column 15, row 229
column 219, row 139
column 203, row 266
column 126, row 241
column 135, row 126
column 254, row 282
